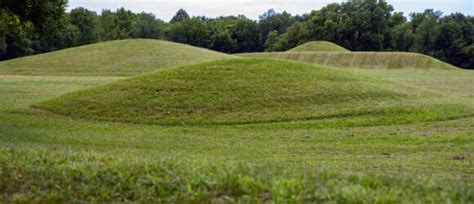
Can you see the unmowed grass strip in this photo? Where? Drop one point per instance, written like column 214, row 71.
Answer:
column 40, row 176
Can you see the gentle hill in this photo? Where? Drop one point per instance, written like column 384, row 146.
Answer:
column 377, row 60
column 319, row 46
column 241, row 91
column 113, row 58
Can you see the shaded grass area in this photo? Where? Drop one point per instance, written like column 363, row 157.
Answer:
column 46, row 157
column 113, row 58
column 319, row 46
column 369, row 60
column 244, row 91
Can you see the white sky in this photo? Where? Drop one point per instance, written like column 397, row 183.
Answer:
column 165, row 9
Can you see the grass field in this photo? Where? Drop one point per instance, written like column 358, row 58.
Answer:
column 410, row 139
column 319, row 46
column 370, row 60
column 243, row 91
column 113, row 58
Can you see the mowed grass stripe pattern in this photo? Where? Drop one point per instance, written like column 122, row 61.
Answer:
column 113, row 58
column 372, row 60
column 242, row 91
column 319, row 46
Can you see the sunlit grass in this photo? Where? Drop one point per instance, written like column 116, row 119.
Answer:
column 113, row 58
column 372, row 60
column 243, row 91
column 319, row 46
column 391, row 157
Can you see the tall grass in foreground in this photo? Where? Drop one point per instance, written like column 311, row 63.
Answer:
column 29, row 176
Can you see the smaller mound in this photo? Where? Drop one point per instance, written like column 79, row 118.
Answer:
column 371, row 60
column 319, row 46
column 239, row 91
column 113, row 58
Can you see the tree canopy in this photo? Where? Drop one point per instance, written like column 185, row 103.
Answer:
column 29, row 27
column 181, row 15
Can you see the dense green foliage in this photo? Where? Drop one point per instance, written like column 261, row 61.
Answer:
column 113, row 58
column 358, row 25
column 372, row 60
column 85, row 21
column 181, row 15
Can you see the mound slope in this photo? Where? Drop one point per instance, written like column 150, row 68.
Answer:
column 237, row 91
column 372, row 60
column 113, row 58
column 319, row 46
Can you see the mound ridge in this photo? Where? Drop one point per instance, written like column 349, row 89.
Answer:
column 371, row 60
column 113, row 58
column 236, row 91
column 319, row 46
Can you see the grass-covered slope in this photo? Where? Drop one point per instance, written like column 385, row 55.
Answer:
column 377, row 60
column 243, row 91
column 114, row 58
column 319, row 46
column 49, row 158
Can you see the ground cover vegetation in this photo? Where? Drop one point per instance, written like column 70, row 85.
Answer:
column 318, row 46
column 115, row 119
column 242, row 91
column 46, row 157
column 111, row 58
column 371, row 60
column 31, row 27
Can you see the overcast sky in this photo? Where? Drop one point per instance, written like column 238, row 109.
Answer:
column 165, row 9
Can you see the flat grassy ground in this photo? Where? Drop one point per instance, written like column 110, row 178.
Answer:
column 46, row 157
column 369, row 60
column 319, row 46
column 112, row 58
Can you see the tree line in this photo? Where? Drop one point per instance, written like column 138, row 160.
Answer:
column 30, row 27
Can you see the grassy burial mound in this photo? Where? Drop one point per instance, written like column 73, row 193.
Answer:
column 319, row 46
column 241, row 91
column 373, row 60
column 114, row 58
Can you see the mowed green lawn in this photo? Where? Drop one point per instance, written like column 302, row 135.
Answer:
column 368, row 60
column 319, row 46
column 111, row 58
column 46, row 157
column 249, row 91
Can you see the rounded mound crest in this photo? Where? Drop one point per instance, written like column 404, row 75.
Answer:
column 319, row 46
column 112, row 58
column 236, row 91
